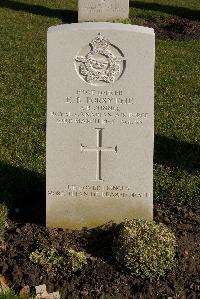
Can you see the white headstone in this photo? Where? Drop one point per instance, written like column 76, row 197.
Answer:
column 100, row 113
column 102, row 10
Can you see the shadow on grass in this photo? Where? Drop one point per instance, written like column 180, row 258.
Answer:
column 66, row 16
column 23, row 192
column 172, row 10
column 176, row 153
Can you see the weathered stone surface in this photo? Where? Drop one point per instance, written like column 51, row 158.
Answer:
column 102, row 10
column 99, row 124
column 41, row 293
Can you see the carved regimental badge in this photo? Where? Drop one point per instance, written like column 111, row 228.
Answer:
column 100, row 62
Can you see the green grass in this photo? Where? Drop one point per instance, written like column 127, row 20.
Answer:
column 23, row 97
column 177, row 95
column 3, row 218
column 147, row 10
column 9, row 295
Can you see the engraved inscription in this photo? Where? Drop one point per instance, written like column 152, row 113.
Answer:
column 99, row 108
column 102, row 6
column 100, row 64
column 98, row 149
column 98, row 191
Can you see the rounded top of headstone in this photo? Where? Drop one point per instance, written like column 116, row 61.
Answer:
column 102, row 26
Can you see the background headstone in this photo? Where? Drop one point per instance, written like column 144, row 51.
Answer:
column 99, row 124
column 102, row 10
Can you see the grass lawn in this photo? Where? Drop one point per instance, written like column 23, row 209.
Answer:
column 23, row 97
column 164, row 9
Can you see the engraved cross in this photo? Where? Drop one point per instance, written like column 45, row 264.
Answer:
column 98, row 149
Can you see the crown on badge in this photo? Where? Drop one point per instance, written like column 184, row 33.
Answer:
column 100, row 42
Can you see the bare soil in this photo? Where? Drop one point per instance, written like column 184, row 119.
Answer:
column 101, row 277
column 176, row 29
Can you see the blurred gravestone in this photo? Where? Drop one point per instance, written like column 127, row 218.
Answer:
column 102, row 10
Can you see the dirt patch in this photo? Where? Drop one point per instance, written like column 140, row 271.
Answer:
column 101, row 277
column 176, row 29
